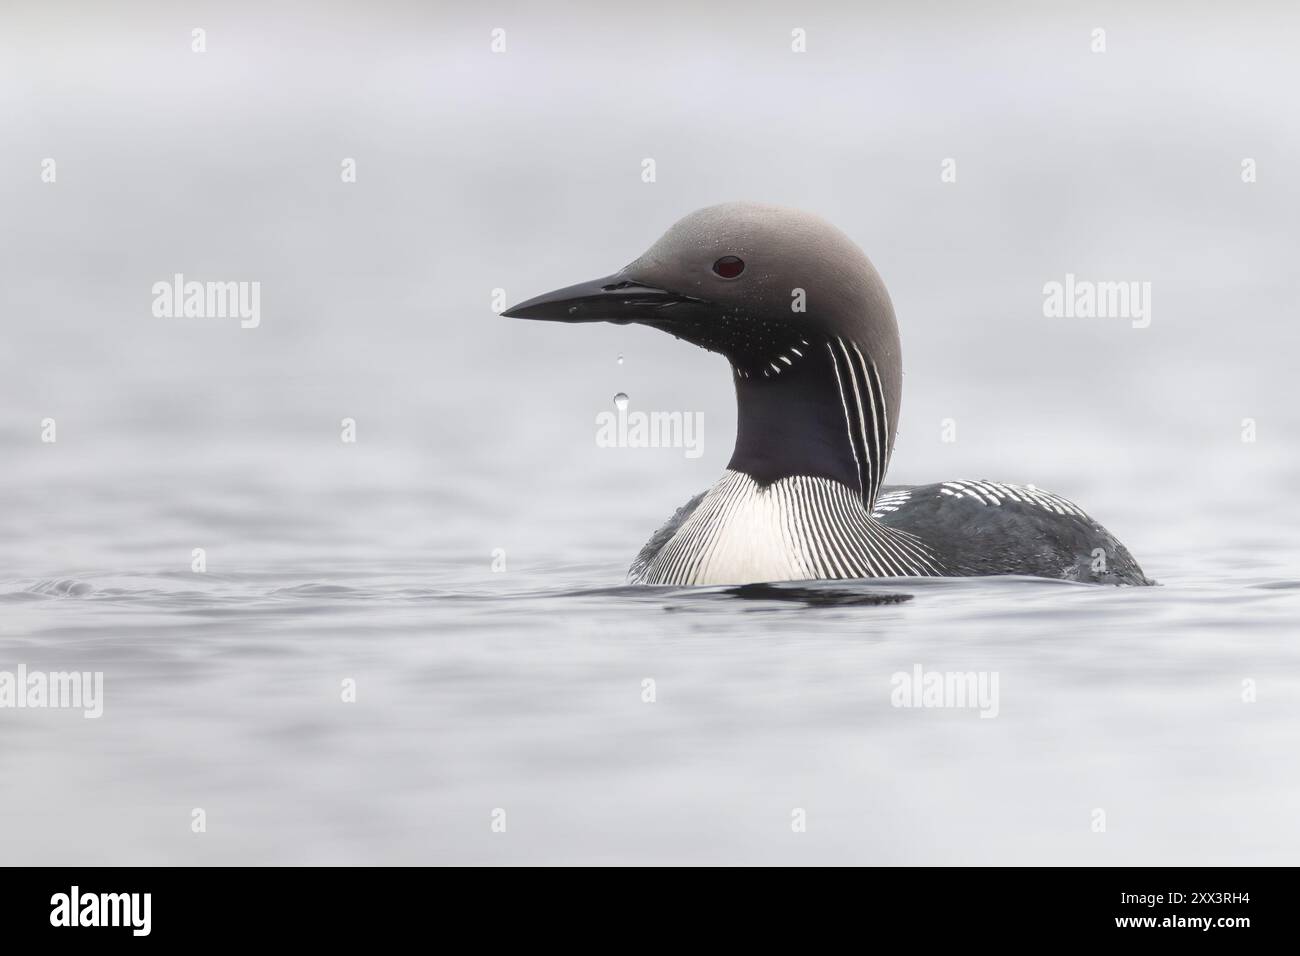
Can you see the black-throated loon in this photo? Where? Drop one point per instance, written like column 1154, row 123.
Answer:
column 817, row 393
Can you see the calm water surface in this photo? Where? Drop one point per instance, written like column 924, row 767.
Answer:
column 522, row 690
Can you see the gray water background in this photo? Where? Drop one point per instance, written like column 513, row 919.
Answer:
column 522, row 690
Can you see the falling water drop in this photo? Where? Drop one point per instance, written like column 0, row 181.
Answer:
column 621, row 400
column 620, row 358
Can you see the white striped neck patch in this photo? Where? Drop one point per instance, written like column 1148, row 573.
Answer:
column 829, row 413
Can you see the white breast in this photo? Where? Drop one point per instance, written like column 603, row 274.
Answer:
column 795, row 529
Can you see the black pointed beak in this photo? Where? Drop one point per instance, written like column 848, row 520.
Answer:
column 615, row 298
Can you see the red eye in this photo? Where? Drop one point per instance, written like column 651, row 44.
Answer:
column 729, row 267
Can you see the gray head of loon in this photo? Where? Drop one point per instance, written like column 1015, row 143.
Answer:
column 799, row 312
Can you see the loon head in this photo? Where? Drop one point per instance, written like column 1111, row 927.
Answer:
column 796, row 308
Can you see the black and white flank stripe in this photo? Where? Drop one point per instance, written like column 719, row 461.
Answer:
column 996, row 492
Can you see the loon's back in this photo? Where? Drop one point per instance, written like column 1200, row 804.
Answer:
column 989, row 527
column 741, row 532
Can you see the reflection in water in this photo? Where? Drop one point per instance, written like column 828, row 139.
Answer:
column 819, row 596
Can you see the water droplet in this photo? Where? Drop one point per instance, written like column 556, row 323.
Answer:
column 573, row 310
column 620, row 358
column 621, row 400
